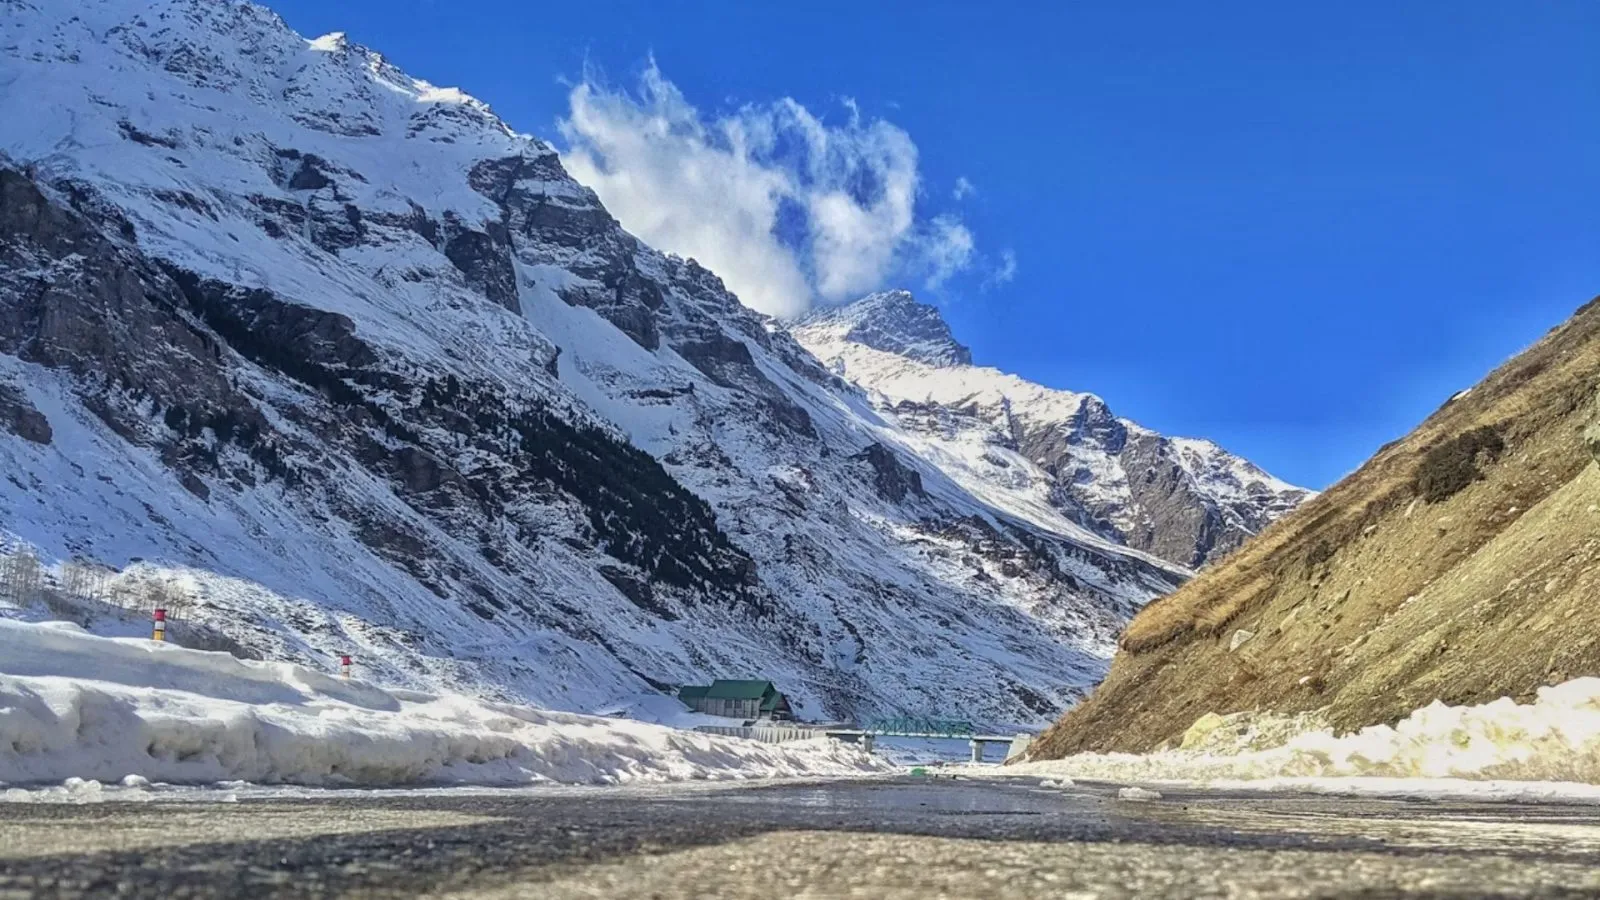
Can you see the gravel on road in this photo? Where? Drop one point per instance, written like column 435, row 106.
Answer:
column 905, row 837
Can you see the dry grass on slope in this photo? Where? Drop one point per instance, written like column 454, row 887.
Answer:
column 1457, row 564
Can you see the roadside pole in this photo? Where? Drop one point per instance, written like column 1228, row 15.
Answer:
column 160, row 624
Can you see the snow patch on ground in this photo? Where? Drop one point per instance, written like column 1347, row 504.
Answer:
column 1555, row 739
column 132, row 711
column 1425, row 789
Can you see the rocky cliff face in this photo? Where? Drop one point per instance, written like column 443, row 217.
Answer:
column 1459, row 564
column 368, row 371
column 1057, row 453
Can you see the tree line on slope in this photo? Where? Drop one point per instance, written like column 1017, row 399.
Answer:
column 81, row 591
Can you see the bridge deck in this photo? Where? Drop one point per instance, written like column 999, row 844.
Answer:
column 981, row 738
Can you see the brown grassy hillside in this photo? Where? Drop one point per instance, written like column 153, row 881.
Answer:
column 1461, row 563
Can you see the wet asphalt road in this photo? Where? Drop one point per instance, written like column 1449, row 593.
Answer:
column 907, row 837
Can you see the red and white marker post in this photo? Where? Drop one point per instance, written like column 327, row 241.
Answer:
column 160, row 624
column 344, row 666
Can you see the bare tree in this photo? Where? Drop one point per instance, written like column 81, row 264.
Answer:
column 21, row 576
column 85, row 579
column 167, row 594
column 179, row 603
column 126, row 590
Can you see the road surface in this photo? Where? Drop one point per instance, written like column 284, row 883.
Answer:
column 907, row 837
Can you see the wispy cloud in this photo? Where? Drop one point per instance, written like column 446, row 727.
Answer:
column 946, row 247
column 788, row 208
column 1003, row 272
column 963, row 188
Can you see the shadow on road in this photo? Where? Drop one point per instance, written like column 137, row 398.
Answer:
column 531, row 838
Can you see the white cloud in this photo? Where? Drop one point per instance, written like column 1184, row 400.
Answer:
column 963, row 188
column 945, row 248
column 1004, row 272
column 787, row 208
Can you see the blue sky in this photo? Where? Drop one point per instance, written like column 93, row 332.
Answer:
column 1292, row 228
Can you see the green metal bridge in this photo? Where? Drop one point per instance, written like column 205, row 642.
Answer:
column 920, row 727
column 930, row 727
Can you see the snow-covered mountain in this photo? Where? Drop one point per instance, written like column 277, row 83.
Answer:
column 369, row 371
column 1042, row 453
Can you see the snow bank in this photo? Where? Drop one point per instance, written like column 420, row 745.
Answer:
column 73, row 705
column 1554, row 739
column 1425, row 789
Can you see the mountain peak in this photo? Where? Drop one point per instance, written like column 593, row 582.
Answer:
column 894, row 322
column 332, row 42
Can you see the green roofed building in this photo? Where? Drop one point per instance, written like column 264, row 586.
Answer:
column 737, row 699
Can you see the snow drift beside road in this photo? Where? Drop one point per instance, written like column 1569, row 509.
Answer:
column 73, row 705
column 1554, row 739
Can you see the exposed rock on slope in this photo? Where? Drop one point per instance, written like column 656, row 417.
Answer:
column 1460, row 564
column 1046, row 452
column 370, row 371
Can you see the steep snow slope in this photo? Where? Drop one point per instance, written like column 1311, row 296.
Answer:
column 1044, row 453
column 365, row 368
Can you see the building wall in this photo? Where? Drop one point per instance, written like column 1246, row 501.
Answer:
column 733, row 709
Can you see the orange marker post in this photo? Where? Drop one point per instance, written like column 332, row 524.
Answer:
column 160, row 626
column 344, row 666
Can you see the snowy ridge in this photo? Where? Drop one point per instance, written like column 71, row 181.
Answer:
column 1232, row 481
column 894, row 322
column 1044, row 453
column 363, row 368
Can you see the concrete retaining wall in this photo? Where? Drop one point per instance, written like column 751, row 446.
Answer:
column 766, row 734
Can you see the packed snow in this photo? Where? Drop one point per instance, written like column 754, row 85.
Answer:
column 1505, row 750
column 1424, row 789
column 135, row 790
column 83, row 712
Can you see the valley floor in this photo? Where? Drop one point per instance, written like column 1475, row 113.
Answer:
column 902, row 837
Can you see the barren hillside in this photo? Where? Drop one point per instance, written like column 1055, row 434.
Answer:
column 1461, row 563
